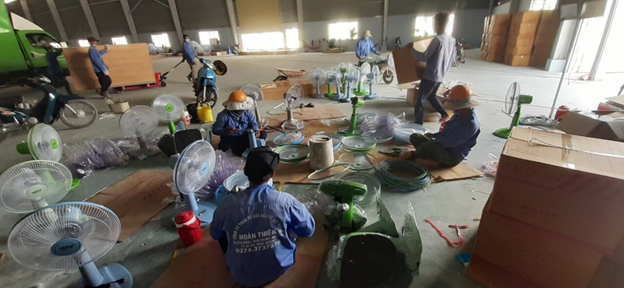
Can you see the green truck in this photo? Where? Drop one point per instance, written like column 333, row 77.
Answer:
column 21, row 52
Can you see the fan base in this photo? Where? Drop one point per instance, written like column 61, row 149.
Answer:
column 371, row 96
column 318, row 96
column 293, row 124
column 360, row 93
column 113, row 273
column 502, row 133
column 204, row 212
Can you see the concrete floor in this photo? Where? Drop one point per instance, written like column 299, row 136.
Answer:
column 148, row 252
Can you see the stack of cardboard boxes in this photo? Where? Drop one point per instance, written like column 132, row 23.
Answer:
column 555, row 217
column 521, row 37
column 545, row 38
column 495, row 37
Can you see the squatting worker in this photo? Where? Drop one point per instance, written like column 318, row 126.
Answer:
column 365, row 46
column 233, row 122
column 452, row 145
column 189, row 56
column 257, row 226
column 100, row 69
column 439, row 57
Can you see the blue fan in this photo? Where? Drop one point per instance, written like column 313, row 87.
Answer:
column 67, row 236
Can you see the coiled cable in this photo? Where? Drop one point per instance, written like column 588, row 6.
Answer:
column 420, row 179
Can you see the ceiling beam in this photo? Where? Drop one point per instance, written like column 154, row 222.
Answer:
column 300, row 24
column 89, row 15
column 232, row 16
column 176, row 19
column 26, row 10
column 57, row 20
column 128, row 13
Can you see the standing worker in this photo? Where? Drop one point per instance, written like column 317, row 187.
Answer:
column 439, row 57
column 100, row 69
column 364, row 46
column 55, row 73
column 189, row 56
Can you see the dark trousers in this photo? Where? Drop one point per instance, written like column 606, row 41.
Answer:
column 427, row 91
column 59, row 80
column 238, row 144
column 105, row 81
column 431, row 150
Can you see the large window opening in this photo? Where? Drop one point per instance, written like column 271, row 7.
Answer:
column 292, row 38
column 538, row 5
column 423, row 26
column 263, row 41
column 209, row 38
column 119, row 40
column 161, row 40
column 343, row 30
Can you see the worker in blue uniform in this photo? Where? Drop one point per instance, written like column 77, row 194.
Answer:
column 365, row 46
column 54, row 71
column 257, row 227
column 100, row 69
column 189, row 56
column 233, row 122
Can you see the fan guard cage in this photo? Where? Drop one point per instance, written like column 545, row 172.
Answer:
column 194, row 167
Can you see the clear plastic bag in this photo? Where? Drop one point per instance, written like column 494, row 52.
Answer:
column 333, row 216
column 84, row 157
column 410, row 241
column 491, row 164
column 316, row 202
column 387, row 122
column 226, row 164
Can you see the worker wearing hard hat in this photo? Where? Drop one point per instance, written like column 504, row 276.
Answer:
column 364, row 46
column 450, row 146
column 233, row 122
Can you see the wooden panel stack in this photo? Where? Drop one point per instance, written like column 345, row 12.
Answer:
column 521, row 37
column 545, row 38
column 495, row 37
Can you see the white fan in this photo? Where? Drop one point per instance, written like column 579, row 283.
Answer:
column 254, row 92
column 43, row 143
column 318, row 77
column 373, row 78
column 137, row 122
column 293, row 99
column 192, row 171
column 364, row 70
column 334, row 81
column 168, row 108
column 351, row 79
column 68, row 236
column 33, row 184
column 344, row 67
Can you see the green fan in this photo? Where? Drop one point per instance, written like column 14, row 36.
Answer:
column 344, row 192
column 168, row 108
column 513, row 105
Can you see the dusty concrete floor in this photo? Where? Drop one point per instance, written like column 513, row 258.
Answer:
column 149, row 251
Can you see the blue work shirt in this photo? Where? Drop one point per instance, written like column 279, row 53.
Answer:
column 257, row 223
column 439, row 56
column 187, row 53
column 460, row 135
column 96, row 59
column 364, row 47
column 53, row 64
column 225, row 120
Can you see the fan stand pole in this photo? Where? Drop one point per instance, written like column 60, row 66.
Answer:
column 172, row 128
column 142, row 144
column 190, row 202
column 90, row 273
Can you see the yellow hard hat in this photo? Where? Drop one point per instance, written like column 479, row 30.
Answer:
column 237, row 97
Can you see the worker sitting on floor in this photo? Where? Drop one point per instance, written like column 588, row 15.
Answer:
column 452, row 145
column 257, row 227
column 232, row 123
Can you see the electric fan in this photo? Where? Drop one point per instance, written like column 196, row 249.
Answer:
column 33, row 184
column 351, row 79
column 67, row 236
column 365, row 69
column 254, row 92
column 191, row 173
column 43, row 143
column 513, row 104
column 334, row 79
column 292, row 98
column 318, row 77
column 373, row 78
column 137, row 122
column 344, row 67
column 168, row 108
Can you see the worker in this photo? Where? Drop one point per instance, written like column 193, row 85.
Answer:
column 189, row 56
column 256, row 228
column 364, row 46
column 100, row 69
column 439, row 57
column 55, row 73
column 452, row 145
column 233, row 122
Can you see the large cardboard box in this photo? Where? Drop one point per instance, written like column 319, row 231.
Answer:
column 495, row 57
column 526, row 17
column 617, row 101
column 520, row 60
column 518, row 50
column 406, row 68
column 590, row 126
column 498, row 30
column 544, row 39
column 523, row 28
column 500, row 20
column 544, row 49
column 510, row 253
column 495, row 49
column 496, row 40
column 521, row 40
column 569, row 185
column 538, row 60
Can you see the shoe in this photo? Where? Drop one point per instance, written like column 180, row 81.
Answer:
column 189, row 78
column 105, row 95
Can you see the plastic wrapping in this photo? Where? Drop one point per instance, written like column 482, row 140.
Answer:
column 491, row 164
column 410, row 241
column 295, row 137
column 130, row 145
column 84, row 157
column 334, row 217
column 316, row 202
column 226, row 164
column 387, row 122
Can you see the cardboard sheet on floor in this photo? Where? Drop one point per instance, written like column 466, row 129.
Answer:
column 203, row 265
column 461, row 171
column 304, row 114
column 136, row 199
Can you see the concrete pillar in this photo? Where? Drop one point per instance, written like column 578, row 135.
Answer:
column 57, row 20
column 603, row 42
column 300, row 23
column 384, row 30
column 26, row 10
column 87, row 11
column 232, row 16
column 126, row 8
column 176, row 20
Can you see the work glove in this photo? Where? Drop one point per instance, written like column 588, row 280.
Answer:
column 107, row 46
column 106, row 73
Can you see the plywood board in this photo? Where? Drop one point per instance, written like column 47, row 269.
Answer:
column 203, row 264
column 276, row 90
column 136, row 199
column 461, row 171
column 307, row 113
column 258, row 16
column 128, row 65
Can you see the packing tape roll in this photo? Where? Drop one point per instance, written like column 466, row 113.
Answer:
column 321, row 151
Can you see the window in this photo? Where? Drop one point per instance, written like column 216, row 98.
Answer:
column 537, row 5
column 209, row 37
column 343, row 30
column 120, row 40
column 83, row 43
column 292, row 38
column 161, row 40
column 263, row 41
column 423, row 26
column 37, row 40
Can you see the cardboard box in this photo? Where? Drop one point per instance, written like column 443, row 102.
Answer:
column 492, row 57
column 406, row 68
column 526, row 17
column 498, row 29
column 542, row 49
column 412, row 93
column 538, row 61
column 276, row 90
column 521, row 40
column 584, row 125
column 486, row 21
column 523, row 28
column 544, row 39
column 510, row 253
column 496, row 40
column 495, row 49
column 617, row 101
column 500, row 20
column 518, row 50
column 569, row 185
column 521, row 60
